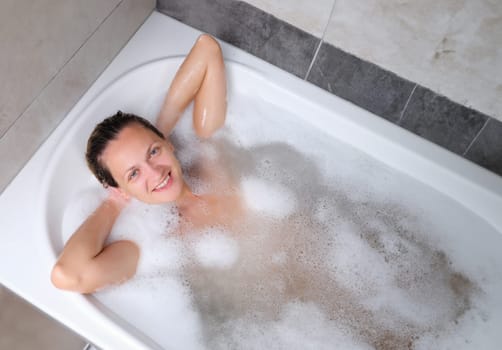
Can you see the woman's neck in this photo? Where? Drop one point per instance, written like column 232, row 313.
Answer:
column 187, row 198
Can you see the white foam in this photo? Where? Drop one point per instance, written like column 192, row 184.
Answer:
column 269, row 199
column 323, row 210
column 299, row 326
column 215, row 249
column 355, row 264
column 164, row 311
column 188, row 155
column 471, row 331
column 395, row 305
column 151, row 228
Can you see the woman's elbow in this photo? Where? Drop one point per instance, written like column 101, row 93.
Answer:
column 209, row 43
column 65, row 278
column 71, row 280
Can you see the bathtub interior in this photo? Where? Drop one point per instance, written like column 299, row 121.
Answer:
column 261, row 116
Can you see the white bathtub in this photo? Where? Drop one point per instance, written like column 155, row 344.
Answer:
column 33, row 205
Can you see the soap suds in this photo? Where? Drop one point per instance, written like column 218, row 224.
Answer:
column 215, row 249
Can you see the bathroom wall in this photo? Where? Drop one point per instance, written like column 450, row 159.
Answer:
column 431, row 67
column 52, row 51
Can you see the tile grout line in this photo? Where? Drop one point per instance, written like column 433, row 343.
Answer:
column 320, row 41
column 313, row 59
column 60, row 70
column 406, row 105
column 476, row 137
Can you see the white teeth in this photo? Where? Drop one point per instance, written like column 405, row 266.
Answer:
column 163, row 183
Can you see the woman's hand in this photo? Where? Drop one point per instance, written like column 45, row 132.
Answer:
column 117, row 198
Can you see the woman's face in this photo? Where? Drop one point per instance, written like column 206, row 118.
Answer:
column 144, row 166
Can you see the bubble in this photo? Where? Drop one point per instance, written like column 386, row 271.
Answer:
column 151, row 227
column 165, row 309
column 270, row 199
column 215, row 249
column 299, row 326
column 355, row 264
column 161, row 255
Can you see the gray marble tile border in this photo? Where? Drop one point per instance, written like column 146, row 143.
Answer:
column 462, row 130
column 363, row 83
column 248, row 28
column 442, row 121
column 486, row 149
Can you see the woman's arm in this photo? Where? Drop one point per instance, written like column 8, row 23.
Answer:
column 201, row 78
column 86, row 264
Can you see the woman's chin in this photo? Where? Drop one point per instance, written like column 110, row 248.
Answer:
column 172, row 195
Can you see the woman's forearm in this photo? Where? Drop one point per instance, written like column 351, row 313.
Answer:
column 86, row 264
column 201, row 78
column 88, row 240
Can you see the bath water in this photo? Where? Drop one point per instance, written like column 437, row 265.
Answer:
column 333, row 250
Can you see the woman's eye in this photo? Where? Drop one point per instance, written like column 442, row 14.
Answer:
column 154, row 151
column 133, row 174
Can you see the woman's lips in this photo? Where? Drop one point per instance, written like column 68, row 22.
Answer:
column 165, row 184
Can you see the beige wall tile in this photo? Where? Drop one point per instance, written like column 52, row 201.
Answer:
column 467, row 63
column 452, row 47
column 36, row 39
column 311, row 16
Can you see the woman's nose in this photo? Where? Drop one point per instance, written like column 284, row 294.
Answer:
column 153, row 169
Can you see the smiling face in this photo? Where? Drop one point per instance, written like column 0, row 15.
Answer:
column 144, row 166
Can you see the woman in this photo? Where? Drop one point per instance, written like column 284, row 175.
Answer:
column 132, row 158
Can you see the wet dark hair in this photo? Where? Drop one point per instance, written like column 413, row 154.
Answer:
column 103, row 133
